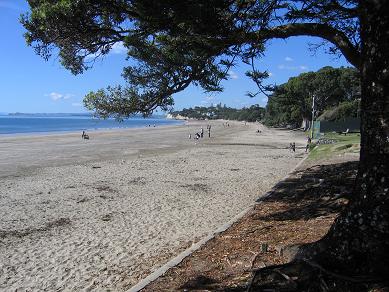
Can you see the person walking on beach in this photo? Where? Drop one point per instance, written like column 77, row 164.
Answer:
column 83, row 134
column 209, row 131
column 294, row 147
column 202, row 132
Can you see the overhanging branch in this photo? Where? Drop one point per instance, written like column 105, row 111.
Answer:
column 336, row 37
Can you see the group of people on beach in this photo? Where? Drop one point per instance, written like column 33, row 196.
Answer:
column 200, row 134
column 292, row 146
column 84, row 135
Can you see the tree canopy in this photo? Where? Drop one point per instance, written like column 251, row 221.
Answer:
column 337, row 93
column 178, row 43
column 291, row 102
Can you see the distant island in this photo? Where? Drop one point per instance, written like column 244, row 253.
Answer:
column 19, row 114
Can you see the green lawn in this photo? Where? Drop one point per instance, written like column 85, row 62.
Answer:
column 349, row 143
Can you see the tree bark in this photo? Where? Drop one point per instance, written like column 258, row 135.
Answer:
column 358, row 241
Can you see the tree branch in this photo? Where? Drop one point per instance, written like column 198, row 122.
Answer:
column 336, row 37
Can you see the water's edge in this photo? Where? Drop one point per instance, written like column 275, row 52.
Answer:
column 33, row 126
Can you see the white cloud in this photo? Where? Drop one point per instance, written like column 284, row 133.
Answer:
column 232, row 74
column 91, row 56
column 270, row 74
column 288, row 59
column 295, row 68
column 55, row 96
column 59, row 96
column 119, row 48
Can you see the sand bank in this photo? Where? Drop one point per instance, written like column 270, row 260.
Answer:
column 102, row 214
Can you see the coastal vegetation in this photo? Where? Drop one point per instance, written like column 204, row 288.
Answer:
column 337, row 96
column 343, row 110
column 179, row 43
column 251, row 114
column 335, row 90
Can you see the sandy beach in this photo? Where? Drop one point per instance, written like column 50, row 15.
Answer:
column 103, row 213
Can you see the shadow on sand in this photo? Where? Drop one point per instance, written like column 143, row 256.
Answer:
column 318, row 191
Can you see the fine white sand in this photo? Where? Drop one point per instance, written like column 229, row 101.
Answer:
column 102, row 214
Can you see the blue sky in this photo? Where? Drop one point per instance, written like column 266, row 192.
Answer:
column 30, row 84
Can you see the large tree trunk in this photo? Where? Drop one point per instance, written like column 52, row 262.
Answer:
column 358, row 242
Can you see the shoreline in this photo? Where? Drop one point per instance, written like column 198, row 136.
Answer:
column 74, row 132
column 50, row 133
column 105, row 213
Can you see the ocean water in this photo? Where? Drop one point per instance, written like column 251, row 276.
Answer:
column 48, row 124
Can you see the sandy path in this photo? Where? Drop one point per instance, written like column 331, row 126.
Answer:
column 102, row 214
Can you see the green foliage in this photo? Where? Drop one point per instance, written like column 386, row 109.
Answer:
column 119, row 102
column 173, row 44
column 344, row 110
column 291, row 102
column 168, row 40
column 251, row 114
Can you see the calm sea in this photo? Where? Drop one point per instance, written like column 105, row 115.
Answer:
column 46, row 124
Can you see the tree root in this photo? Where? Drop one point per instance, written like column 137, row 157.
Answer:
column 304, row 275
